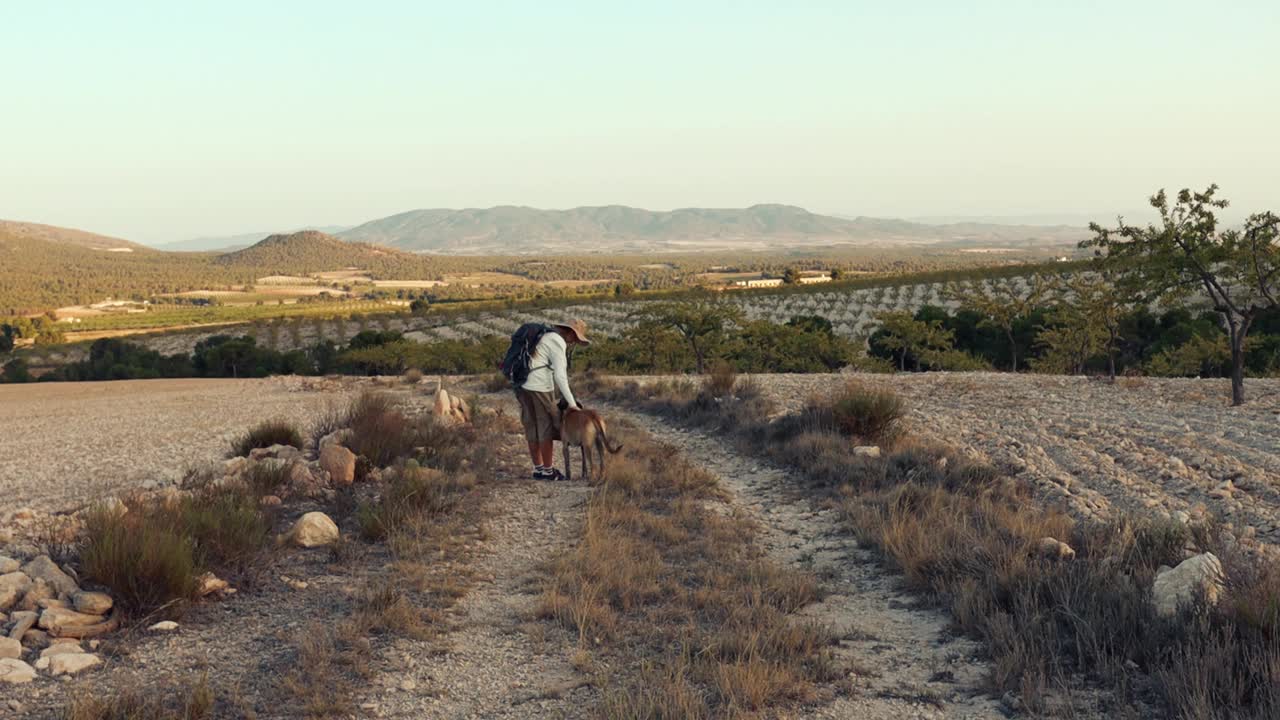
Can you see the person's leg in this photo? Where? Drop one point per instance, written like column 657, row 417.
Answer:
column 546, row 451
column 529, row 418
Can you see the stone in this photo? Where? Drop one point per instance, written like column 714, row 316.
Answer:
column 302, row 482
column 35, row 638
column 92, row 603
column 54, row 619
column 1055, row 549
column 22, row 622
column 37, row 596
column 443, row 406
column 314, row 529
column 43, row 568
column 337, row 437
column 1197, row 576
column 164, row 626
column 281, row 452
column 72, row 663
column 8, row 565
column 14, row 671
column 10, row 648
column 13, row 586
column 61, row 648
column 867, row 451
column 270, row 501
column 209, row 583
column 340, row 463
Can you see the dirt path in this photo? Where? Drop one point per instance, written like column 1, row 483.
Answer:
column 905, row 663
column 502, row 663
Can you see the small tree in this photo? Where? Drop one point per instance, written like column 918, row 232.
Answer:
column 904, row 335
column 701, row 322
column 791, row 276
column 1086, row 320
column 1002, row 305
column 1237, row 270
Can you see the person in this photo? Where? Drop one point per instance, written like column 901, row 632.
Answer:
column 539, row 410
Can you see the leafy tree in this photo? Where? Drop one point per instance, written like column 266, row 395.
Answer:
column 1187, row 253
column 373, row 338
column 6, row 338
column 1002, row 305
column 812, row 324
column 791, row 276
column 702, row 322
column 905, row 337
column 1085, row 322
column 15, row 371
column 419, row 306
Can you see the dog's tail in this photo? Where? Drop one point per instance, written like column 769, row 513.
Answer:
column 604, row 436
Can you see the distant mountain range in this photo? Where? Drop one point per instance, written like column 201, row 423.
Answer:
column 620, row 229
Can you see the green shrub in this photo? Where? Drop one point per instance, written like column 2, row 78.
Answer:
column 144, row 557
column 266, row 434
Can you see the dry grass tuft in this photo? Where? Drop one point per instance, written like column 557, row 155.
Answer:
column 663, row 579
column 721, row 380
column 193, row 701
column 264, row 435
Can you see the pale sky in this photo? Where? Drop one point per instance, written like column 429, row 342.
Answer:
column 158, row 121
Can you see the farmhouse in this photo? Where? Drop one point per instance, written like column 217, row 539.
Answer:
column 814, row 279
column 758, row 283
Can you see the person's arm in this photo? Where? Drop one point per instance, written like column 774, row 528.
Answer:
column 559, row 361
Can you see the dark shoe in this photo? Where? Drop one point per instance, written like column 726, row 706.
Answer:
column 554, row 475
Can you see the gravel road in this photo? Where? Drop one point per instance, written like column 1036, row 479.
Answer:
column 65, row 444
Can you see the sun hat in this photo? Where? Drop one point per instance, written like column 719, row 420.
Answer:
column 578, row 328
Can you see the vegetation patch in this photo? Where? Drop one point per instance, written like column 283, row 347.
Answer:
column 266, row 434
column 1061, row 605
column 662, row 582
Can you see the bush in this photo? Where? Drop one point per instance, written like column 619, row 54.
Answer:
column 721, row 380
column 379, row 431
column 266, row 434
column 152, row 555
column 861, row 412
column 142, row 556
column 411, row 492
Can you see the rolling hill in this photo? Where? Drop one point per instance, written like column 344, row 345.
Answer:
column 230, row 243
column 67, row 236
column 311, row 251
column 616, row 228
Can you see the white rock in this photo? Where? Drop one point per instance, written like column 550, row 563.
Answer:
column 61, row 648
column 313, row 530
column 72, row 663
column 54, row 619
column 210, row 583
column 870, row 451
column 164, row 626
column 1199, row 575
column 8, row 565
column 12, row 587
column 10, row 648
column 15, row 671
column 340, row 463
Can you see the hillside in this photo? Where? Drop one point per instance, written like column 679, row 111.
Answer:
column 37, row 274
column 230, row 243
column 616, row 228
column 66, row 236
column 311, row 251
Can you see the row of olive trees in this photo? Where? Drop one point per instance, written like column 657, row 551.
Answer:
column 1186, row 255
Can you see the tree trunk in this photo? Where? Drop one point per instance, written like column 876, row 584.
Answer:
column 1111, row 357
column 1013, row 348
column 1237, row 363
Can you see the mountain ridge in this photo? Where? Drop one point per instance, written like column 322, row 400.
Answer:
column 515, row 229
column 67, row 236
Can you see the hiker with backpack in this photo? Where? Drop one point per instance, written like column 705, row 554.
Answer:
column 537, row 364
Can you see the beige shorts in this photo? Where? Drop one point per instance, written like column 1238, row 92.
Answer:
column 539, row 414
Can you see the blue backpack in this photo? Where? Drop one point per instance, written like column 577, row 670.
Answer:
column 516, row 363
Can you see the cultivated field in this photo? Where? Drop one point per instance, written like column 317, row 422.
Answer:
column 1150, row 445
column 63, row 445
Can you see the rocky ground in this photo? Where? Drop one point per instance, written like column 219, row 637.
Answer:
column 66, row 444
column 1142, row 444
column 1165, row 446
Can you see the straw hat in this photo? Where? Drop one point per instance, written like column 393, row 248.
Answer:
column 578, row 328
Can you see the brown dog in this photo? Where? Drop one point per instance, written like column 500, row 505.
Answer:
column 585, row 429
